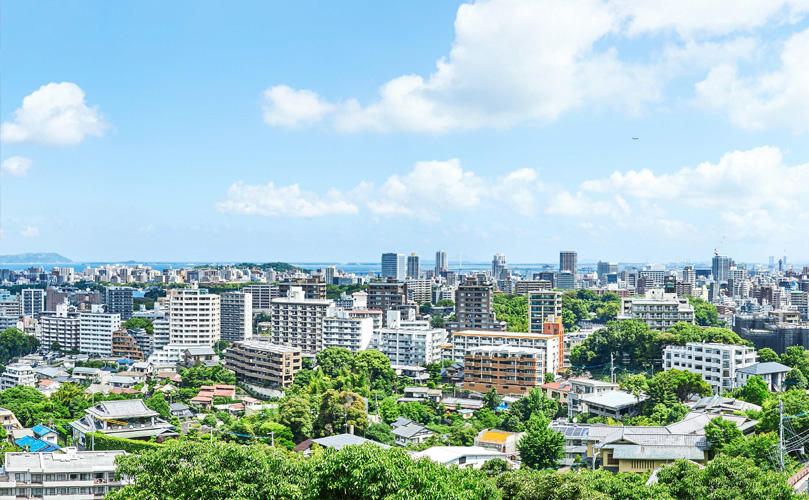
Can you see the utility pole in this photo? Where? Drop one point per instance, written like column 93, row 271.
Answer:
column 781, row 433
column 612, row 368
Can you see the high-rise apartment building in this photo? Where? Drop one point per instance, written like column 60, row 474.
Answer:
column 441, row 264
column 33, row 301
column 343, row 330
column 236, row 316
column 569, row 261
column 657, row 309
column 463, row 342
column 409, row 341
column 263, row 363
column 118, row 300
column 419, row 291
column 298, row 321
column 498, row 266
column 504, row 368
column 541, row 306
column 690, row 276
column 60, row 327
column 328, row 274
column 262, row 296
column 96, row 330
column 474, row 307
column 313, row 288
column 394, row 266
column 525, row 287
column 389, row 295
column 720, row 267
column 413, row 266
column 194, row 317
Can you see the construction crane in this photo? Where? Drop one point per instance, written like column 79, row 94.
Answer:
column 716, row 250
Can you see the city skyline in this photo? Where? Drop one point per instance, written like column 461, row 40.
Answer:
column 340, row 124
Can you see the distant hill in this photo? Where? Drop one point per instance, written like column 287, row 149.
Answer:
column 35, row 258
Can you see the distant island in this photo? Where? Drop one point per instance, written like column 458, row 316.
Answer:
column 35, row 258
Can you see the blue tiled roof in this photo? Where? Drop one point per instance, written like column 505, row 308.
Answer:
column 30, row 443
column 41, row 430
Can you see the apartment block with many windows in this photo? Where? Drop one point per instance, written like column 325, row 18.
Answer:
column 507, row 369
column 263, row 363
column 716, row 363
column 298, row 321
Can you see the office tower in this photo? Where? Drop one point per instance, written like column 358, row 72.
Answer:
column 329, row 273
column 33, row 301
column 474, row 307
column 605, row 268
column 394, row 266
column 118, row 300
column 413, row 266
column 236, row 316
column 569, row 261
column 543, row 305
column 298, row 321
column 720, row 267
column 566, row 280
column 441, row 263
column 498, row 266
column 193, row 317
column 386, row 296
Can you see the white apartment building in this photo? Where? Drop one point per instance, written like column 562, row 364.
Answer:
column 194, row 317
column 541, row 305
column 419, row 291
column 32, row 301
column 717, row 363
column 461, row 343
column 70, row 474
column 95, row 332
column 236, row 316
column 17, row 374
column 657, row 309
column 62, row 327
column 340, row 329
column 298, row 321
column 408, row 341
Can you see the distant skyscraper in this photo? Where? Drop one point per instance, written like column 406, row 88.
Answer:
column 328, row 274
column 413, row 266
column 441, row 263
column 566, row 280
column 721, row 267
column 605, row 268
column 118, row 300
column 393, row 266
column 569, row 261
column 33, row 301
column 690, row 275
column 498, row 265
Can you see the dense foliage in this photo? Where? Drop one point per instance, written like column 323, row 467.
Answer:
column 220, row 471
column 14, row 342
column 513, row 309
column 705, row 313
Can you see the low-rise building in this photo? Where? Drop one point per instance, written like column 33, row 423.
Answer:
column 507, row 369
column 69, row 474
column 127, row 418
column 716, row 363
column 411, row 433
column 580, row 387
column 502, row 441
column 17, row 374
column 463, row 342
column 657, row 309
column 613, row 404
column 263, row 363
column 773, row 374
column 462, row 456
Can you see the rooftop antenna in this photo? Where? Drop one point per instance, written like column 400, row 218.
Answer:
column 716, row 250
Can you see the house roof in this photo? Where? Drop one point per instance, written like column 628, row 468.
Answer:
column 495, row 436
column 34, row 445
column 41, row 430
column 338, row 441
column 557, row 386
column 125, row 408
column 178, row 407
column 660, row 452
column 400, row 421
column 613, row 399
column 410, row 430
column 767, row 368
column 447, row 454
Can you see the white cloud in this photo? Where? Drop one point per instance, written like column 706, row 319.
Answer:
column 16, row 165
column 29, row 232
column 428, row 190
column 287, row 107
column 55, row 114
column 580, row 205
column 772, row 99
column 517, row 60
column 284, row 201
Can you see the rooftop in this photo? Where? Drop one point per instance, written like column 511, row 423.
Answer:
column 55, row 462
column 764, row 368
column 339, row 440
column 447, row 454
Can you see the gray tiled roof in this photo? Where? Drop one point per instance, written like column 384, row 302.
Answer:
column 764, row 368
column 409, row 430
column 338, row 441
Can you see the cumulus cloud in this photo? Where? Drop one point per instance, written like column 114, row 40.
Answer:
column 15, row 165
column 287, row 107
column 56, row 114
column 428, row 190
column 29, row 232
column 517, row 60
column 284, row 201
column 753, row 193
column 772, row 99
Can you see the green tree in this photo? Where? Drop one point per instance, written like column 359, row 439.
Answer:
column 495, row 466
column 159, row 404
column 513, row 309
column 437, row 321
column 720, row 432
column 209, row 420
column 795, row 379
column 144, row 323
column 296, row 414
column 796, row 357
column 332, row 360
column 754, row 391
column 549, row 377
column 704, row 312
column 339, row 412
column 380, row 433
column 445, row 303
column 491, row 399
column 541, row 447
column 767, row 355
column 389, row 409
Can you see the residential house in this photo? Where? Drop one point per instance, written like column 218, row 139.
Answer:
column 336, row 442
column 411, row 433
column 462, row 456
column 420, row 394
column 773, row 374
column 9, row 421
column 502, row 441
column 127, row 418
column 614, row 404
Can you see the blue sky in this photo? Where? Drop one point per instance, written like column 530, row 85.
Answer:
column 338, row 131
